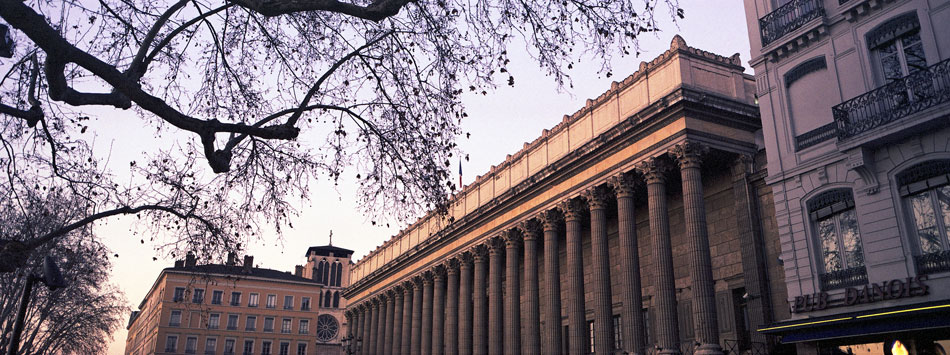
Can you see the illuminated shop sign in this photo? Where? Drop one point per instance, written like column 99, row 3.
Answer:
column 875, row 292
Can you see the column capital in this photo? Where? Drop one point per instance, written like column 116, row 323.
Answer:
column 689, row 154
column 530, row 229
column 417, row 281
column 573, row 208
column 551, row 219
column 512, row 238
column 376, row 301
column 653, row 169
column 438, row 273
column 398, row 291
column 427, row 278
column 480, row 253
column 408, row 286
column 452, row 265
column 598, row 197
column 390, row 293
column 741, row 166
column 625, row 184
column 496, row 245
column 465, row 258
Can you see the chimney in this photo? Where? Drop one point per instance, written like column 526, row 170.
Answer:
column 232, row 259
column 248, row 263
column 179, row 263
column 190, row 260
column 298, row 270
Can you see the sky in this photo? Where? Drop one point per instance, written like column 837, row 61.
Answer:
column 499, row 123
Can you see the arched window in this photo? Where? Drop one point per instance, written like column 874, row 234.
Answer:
column 336, row 299
column 925, row 190
column 318, row 276
column 339, row 274
column 897, row 47
column 836, row 228
column 320, row 298
column 333, row 274
column 326, row 271
column 327, row 298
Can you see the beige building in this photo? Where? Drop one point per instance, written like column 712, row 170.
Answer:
column 640, row 224
column 855, row 104
column 234, row 309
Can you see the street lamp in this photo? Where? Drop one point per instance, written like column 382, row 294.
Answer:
column 351, row 344
column 53, row 279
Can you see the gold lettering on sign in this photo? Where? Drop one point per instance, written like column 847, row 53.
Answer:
column 875, row 292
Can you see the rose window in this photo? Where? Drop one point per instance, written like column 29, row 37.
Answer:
column 327, row 328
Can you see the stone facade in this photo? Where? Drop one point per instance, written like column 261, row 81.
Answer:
column 855, row 103
column 556, row 249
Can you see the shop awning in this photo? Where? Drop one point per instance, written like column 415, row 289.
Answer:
column 919, row 316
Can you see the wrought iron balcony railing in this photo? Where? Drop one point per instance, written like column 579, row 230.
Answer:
column 933, row 262
column 789, row 17
column 816, row 136
column 900, row 98
column 855, row 276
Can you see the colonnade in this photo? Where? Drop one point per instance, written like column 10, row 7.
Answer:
column 481, row 300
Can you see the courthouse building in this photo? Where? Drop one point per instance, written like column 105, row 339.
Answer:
column 855, row 104
column 640, row 223
column 234, row 309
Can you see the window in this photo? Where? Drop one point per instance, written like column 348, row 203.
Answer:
column 210, row 345
column 285, row 325
column 191, row 345
column 925, row 189
column 618, row 333
column 304, row 326
column 235, row 298
column 216, row 297
column 327, row 328
column 333, row 275
column 836, row 228
column 590, row 335
column 265, row 347
column 228, row 346
column 336, row 299
column 288, row 302
column 271, row 301
column 213, row 320
column 327, row 298
column 248, row 347
column 269, row 324
column 179, row 294
column 305, row 303
column 252, row 300
column 284, row 349
column 897, row 47
column 171, row 344
column 199, row 296
column 251, row 323
column 175, row 319
column 232, row 321
column 301, row 348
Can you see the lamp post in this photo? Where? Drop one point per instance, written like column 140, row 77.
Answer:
column 53, row 279
column 351, row 344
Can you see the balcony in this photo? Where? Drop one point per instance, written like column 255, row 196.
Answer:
column 855, row 276
column 933, row 263
column 788, row 18
column 894, row 101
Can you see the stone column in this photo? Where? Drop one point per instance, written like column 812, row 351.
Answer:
column 465, row 304
column 426, row 348
column 390, row 321
column 631, row 317
column 407, row 316
column 531, row 231
column 598, row 198
column 438, row 310
column 367, row 325
column 496, row 328
column 382, row 325
column 754, row 269
column 551, row 220
column 667, row 331
column 480, row 302
column 451, row 307
column 689, row 154
column 416, row 332
column 512, row 293
column 397, row 321
column 576, row 322
column 374, row 329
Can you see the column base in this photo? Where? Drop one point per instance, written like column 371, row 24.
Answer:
column 708, row 349
column 669, row 352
